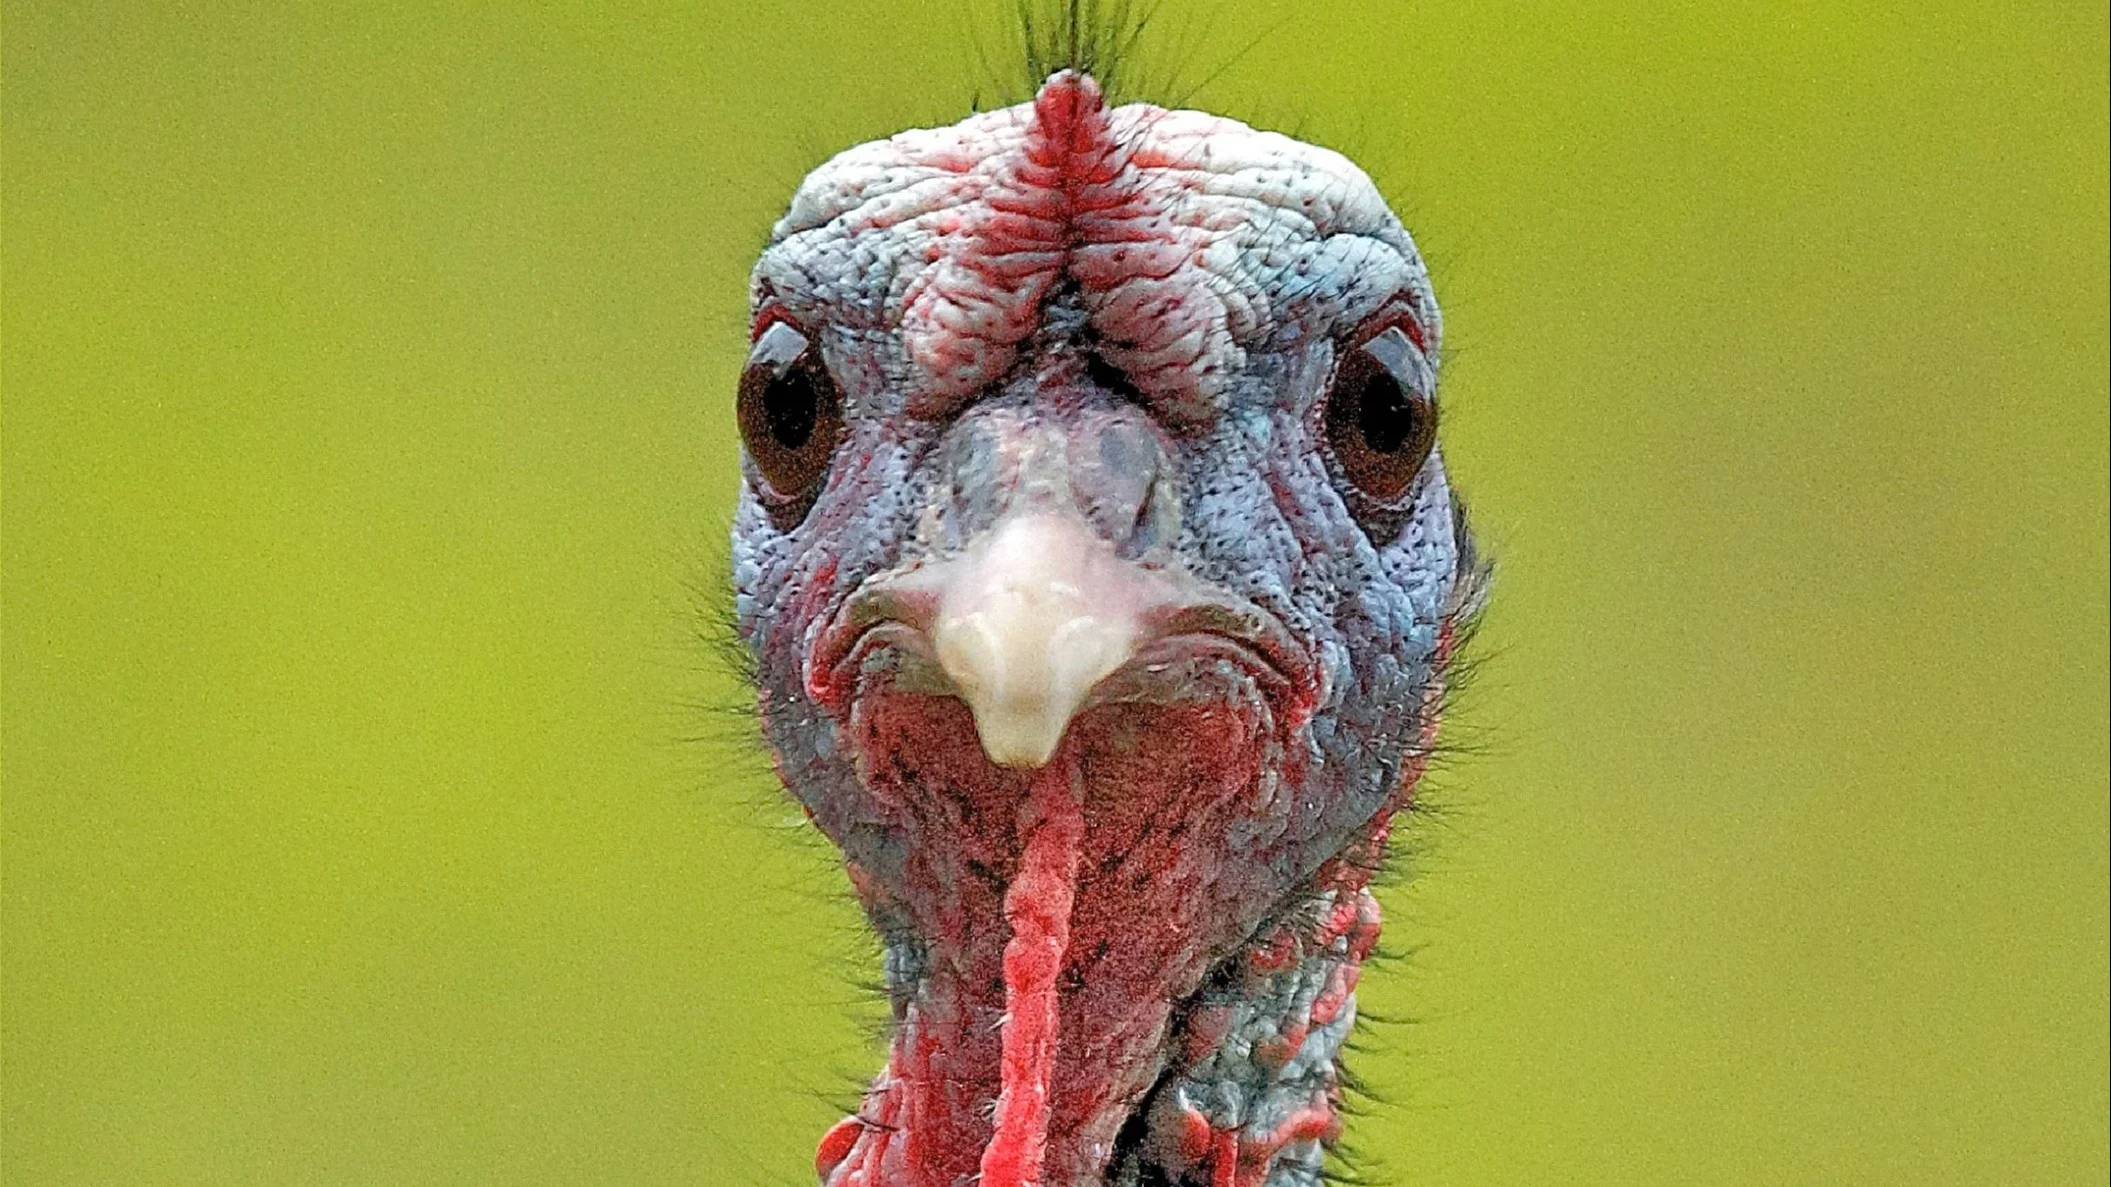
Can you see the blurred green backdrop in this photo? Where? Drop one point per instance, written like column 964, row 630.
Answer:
column 367, row 408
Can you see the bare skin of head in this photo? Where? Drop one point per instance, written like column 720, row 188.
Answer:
column 1101, row 573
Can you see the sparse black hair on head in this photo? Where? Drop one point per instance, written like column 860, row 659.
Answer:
column 1128, row 46
column 1122, row 44
column 1095, row 37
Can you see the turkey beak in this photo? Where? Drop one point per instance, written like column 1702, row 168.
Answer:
column 1048, row 597
column 1029, row 620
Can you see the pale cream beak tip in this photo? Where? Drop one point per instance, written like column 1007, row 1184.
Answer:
column 1027, row 627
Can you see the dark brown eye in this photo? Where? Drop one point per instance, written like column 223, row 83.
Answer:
column 1382, row 414
column 790, row 411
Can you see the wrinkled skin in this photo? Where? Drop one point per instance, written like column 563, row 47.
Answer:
column 1096, row 342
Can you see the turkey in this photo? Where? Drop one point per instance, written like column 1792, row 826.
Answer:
column 1101, row 577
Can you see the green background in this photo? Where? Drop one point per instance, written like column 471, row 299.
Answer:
column 367, row 418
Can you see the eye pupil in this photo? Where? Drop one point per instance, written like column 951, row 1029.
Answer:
column 788, row 408
column 1384, row 416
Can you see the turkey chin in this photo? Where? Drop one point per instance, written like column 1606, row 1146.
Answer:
column 1051, row 927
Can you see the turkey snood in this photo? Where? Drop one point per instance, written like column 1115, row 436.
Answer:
column 1100, row 572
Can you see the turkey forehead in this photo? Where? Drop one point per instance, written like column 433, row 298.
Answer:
column 1191, row 241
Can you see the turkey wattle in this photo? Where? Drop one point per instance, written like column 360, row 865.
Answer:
column 1100, row 572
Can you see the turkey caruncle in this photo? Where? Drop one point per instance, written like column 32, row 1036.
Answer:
column 1101, row 576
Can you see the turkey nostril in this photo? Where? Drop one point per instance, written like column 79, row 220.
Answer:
column 979, row 477
column 1146, row 532
column 1117, row 480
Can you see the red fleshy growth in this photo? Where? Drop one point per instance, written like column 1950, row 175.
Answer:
column 1016, row 248
column 836, row 1145
column 1224, row 1160
column 1248, row 1163
column 1037, row 905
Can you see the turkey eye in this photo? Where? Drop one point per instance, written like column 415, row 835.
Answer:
column 1381, row 415
column 790, row 412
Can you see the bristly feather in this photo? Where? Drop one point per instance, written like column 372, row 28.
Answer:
column 1095, row 37
column 727, row 726
column 1128, row 46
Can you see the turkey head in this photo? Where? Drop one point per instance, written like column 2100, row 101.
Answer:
column 1100, row 571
